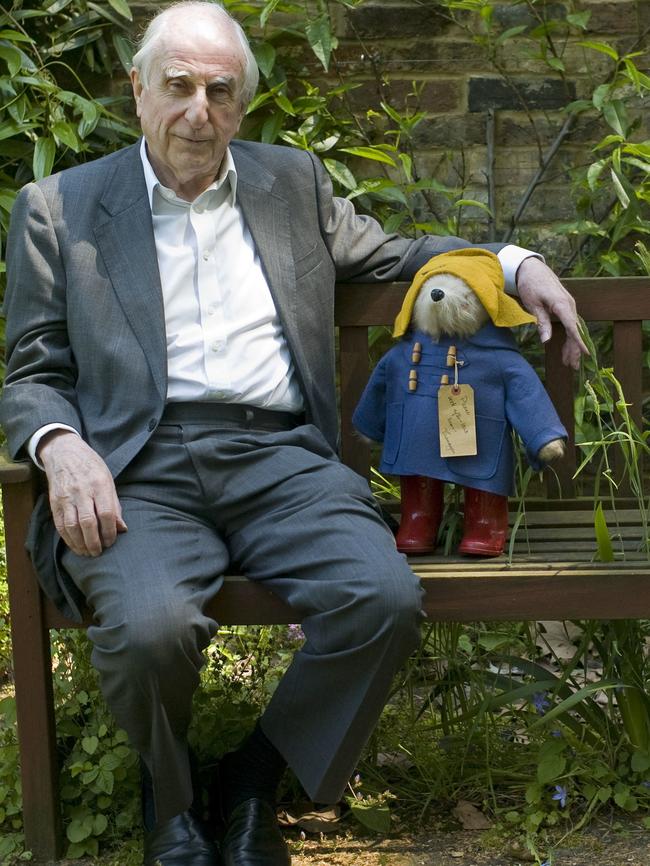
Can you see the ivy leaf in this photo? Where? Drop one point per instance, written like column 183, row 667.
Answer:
column 320, row 38
column 124, row 51
column 44, row 153
column 603, row 47
column 12, row 57
column 89, row 745
column 9, row 128
column 549, row 768
column 594, row 171
column 579, row 19
column 265, row 57
column 284, row 103
column 340, row 172
column 510, row 33
column 268, row 11
column 624, row 199
column 599, row 95
column 122, row 8
column 57, row 6
column 615, row 114
column 470, row 202
column 369, row 153
column 66, row 134
column 7, row 199
column 15, row 36
column 272, row 128
column 394, row 222
column 100, row 823
column 640, row 762
column 79, row 829
column 374, row 816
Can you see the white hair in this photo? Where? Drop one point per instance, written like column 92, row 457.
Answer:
column 161, row 23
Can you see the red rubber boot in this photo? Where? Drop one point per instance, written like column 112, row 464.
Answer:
column 422, row 503
column 486, row 523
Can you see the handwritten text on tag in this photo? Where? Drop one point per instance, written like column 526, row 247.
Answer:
column 457, row 421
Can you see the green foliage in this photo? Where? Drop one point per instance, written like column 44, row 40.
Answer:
column 612, row 190
column 49, row 119
column 478, row 713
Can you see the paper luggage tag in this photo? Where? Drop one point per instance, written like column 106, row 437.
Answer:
column 457, row 421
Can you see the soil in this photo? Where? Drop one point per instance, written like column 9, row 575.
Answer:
column 599, row 846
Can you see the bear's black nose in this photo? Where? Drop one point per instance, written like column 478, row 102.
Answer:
column 437, row 294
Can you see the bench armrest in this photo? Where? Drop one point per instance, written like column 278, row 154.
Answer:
column 15, row 471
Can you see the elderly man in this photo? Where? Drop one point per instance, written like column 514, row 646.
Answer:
column 170, row 367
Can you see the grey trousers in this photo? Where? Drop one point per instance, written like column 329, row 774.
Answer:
column 283, row 509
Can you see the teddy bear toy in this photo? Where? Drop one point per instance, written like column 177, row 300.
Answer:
column 445, row 399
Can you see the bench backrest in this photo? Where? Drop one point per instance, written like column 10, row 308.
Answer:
column 623, row 301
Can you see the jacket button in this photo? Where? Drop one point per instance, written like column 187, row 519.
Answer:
column 152, row 424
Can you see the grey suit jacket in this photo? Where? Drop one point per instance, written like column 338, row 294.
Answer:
column 85, row 320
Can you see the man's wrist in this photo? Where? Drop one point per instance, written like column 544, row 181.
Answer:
column 42, row 436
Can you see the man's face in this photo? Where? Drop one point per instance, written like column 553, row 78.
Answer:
column 191, row 107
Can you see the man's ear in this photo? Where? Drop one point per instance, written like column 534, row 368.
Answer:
column 137, row 88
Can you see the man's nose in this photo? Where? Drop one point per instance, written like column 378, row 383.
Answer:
column 197, row 111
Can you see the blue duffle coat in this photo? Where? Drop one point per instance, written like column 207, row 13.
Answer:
column 507, row 395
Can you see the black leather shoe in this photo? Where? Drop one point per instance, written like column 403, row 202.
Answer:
column 253, row 837
column 181, row 841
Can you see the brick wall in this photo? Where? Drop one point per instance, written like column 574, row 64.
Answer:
column 385, row 45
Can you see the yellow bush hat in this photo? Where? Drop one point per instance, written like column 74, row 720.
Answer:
column 482, row 271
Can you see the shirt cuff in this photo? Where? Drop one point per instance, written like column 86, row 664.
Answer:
column 511, row 257
column 35, row 438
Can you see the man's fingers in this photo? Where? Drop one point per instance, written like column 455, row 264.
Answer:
column 69, row 528
column 572, row 352
column 544, row 327
column 90, row 530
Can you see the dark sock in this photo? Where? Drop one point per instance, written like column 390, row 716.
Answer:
column 253, row 770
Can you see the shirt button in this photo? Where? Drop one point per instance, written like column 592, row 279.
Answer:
column 212, row 310
column 217, row 346
column 206, row 256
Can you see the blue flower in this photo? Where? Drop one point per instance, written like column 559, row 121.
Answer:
column 560, row 795
column 295, row 632
column 540, row 702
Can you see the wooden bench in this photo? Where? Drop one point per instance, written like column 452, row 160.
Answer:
column 552, row 574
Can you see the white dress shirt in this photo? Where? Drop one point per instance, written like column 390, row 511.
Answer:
column 224, row 338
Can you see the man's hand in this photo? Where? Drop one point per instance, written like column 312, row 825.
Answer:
column 83, row 499
column 543, row 295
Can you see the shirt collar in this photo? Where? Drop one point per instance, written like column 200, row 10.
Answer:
column 227, row 176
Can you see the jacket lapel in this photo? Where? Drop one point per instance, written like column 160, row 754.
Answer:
column 268, row 217
column 124, row 235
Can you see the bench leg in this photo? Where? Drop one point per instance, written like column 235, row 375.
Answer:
column 33, row 683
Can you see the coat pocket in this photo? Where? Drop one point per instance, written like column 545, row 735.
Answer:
column 490, row 438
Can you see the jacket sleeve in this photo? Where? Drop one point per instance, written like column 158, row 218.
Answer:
column 41, row 371
column 360, row 249
column 528, row 407
column 369, row 417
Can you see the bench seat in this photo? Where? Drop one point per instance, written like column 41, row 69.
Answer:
column 551, row 573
